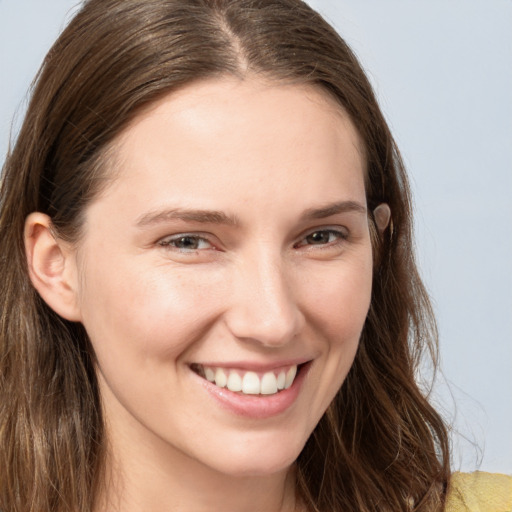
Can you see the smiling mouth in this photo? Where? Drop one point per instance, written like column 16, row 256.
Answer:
column 248, row 382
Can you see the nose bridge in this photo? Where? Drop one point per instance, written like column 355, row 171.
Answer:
column 265, row 307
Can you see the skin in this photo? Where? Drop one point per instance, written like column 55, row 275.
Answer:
column 264, row 282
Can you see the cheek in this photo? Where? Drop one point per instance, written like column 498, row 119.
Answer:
column 337, row 315
column 339, row 300
column 142, row 313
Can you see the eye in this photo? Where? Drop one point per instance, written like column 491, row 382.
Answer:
column 186, row 243
column 322, row 237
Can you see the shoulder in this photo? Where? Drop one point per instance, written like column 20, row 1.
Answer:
column 480, row 492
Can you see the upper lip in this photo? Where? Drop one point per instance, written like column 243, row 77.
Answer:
column 254, row 365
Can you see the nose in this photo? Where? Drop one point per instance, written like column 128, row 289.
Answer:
column 264, row 306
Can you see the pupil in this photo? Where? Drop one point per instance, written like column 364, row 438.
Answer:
column 187, row 242
column 320, row 237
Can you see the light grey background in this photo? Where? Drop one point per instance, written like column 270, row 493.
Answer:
column 442, row 70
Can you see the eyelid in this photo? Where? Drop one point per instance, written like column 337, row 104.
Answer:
column 341, row 234
column 167, row 241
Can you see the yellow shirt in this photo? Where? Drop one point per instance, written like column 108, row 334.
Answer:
column 480, row 492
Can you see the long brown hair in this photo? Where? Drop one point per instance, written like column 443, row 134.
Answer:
column 380, row 445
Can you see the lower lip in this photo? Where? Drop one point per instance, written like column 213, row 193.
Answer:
column 257, row 406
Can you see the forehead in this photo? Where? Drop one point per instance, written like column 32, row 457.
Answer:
column 229, row 136
column 208, row 106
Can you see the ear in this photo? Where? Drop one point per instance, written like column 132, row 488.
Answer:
column 382, row 215
column 52, row 266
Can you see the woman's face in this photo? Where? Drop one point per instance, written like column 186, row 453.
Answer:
column 232, row 246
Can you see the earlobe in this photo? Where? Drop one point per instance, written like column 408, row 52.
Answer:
column 51, row 266
column 382, row 215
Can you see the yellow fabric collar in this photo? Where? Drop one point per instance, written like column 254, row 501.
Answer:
column 480, row 492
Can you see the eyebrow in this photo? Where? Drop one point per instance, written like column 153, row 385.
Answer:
column 334, row 209
column 201, row 216
column 218, row 217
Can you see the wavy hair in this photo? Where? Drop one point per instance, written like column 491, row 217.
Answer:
column 380, row 445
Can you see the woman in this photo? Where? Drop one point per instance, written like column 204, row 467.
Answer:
column 211, row 300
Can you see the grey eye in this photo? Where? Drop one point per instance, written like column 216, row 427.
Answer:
column 320, row 237
column 186, row 243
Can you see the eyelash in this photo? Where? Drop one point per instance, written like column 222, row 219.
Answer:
column 197, row 240
column 339, row 236
column 173, row 240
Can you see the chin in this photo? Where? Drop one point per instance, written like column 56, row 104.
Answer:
column 258, row 460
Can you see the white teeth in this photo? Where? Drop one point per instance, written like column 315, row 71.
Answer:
column 249, row 383
column 234, row 382
column 209, row 374
column 290, row 375
column 268, row 384
column 281, row 379
column 221, row 378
